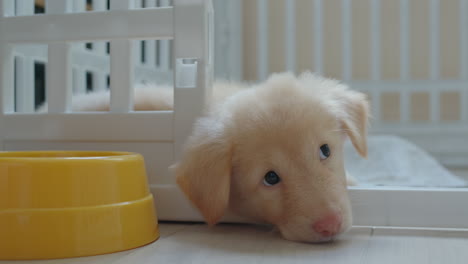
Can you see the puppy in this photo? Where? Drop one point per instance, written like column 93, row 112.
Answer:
column 272, row 152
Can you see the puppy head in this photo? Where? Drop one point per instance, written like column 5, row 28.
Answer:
column 274, row 154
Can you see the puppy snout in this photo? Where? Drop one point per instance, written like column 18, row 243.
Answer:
column 329, row 225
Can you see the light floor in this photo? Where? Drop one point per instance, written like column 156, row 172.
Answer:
column 197, row 243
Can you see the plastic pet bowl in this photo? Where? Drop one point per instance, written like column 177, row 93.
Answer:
column 61, row 204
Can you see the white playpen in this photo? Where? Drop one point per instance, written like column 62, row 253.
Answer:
column 172, row 42
column 63, row 31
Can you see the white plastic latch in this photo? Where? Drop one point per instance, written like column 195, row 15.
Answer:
column 186, row 72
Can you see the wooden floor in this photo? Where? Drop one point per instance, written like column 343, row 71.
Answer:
column 196, row 243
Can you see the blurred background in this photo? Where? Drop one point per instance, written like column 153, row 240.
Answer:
column 409, row 56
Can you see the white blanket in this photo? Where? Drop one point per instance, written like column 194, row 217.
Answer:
column 394, row 161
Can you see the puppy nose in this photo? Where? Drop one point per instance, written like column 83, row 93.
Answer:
column 329, row 225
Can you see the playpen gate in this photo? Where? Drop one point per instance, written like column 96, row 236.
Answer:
column 57, row 40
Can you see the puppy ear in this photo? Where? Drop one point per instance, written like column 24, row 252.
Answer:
column 354, row 119
column 204, row 173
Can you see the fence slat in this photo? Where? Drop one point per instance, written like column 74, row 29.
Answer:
column 24, row 7
column 150, row 45
column 164, row 52
column 99, row 47
column 434, row 59
column 464, row 40
column 405, row 106
column 7, row 8
column 6, row 78
column 464, row 57
column 434, row 105
column 404, row 40
column 99, row 80
column 24, row 68
column 58, row 78
column 58, row 70
column 150, row 3
column 190, row 94
column 24, row 80
column 434, row 39
column 122, row 68
column 262, row 40
column 375, row 39
column 290, row 27
column 137, row 56
column 346, row 28
column 318, row 36
column 79, row 6
column 79, row 82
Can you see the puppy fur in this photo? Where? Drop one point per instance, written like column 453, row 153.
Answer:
column 278, row 125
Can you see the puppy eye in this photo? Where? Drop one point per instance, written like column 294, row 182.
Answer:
column 324, row 151
column 271, row 178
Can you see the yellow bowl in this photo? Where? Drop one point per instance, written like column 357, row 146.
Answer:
column 60, row 204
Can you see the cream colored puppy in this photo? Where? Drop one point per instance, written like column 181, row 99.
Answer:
column 272, row 152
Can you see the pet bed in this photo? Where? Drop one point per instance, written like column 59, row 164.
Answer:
column 394, row 161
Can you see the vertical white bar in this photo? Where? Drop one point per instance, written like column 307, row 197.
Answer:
column 24, row 84
column 435, row 105
column 346, row 28
column 404, row 58
column 7, row 8
column 58, row 75
column 290, row 27
column 150, row 3
column 79, row 83
column 122, row 62
column 58, row 78
column 463, row 14
column 464, row 40
column 376, row 105
column 405, row 106
column 137, row 43
column 464, row 105
column 99, row 47
column 164, row 45
column 79, row 6
column 6, row 71
column 262, row 41
column 6, row 78
column 100, row 5
column 150, row 51
column 150, row 45
column 122, row 4
column 24, row 68
column 236, row 40
column 404, row 40
column 24, row 7
column 99, row 80
column 318, row 36
column 164, row 54
column 375, row 27
column 375, row 39
column 58, row 6
column 190, row 98
column 434, row 25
